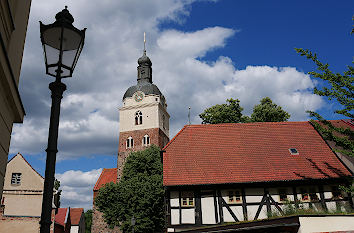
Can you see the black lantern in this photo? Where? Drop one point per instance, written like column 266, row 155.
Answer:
column 62, row 44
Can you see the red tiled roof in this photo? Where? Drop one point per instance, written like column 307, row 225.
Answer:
column 107, row 175
column 75, row 215
column 252, row 152
column 60, row 217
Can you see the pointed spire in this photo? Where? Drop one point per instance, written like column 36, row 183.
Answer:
column 144, row 44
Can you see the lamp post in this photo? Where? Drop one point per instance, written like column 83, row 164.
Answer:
column 62, row 45
column 133, row 221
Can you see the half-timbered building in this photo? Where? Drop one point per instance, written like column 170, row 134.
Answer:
column 221, row 173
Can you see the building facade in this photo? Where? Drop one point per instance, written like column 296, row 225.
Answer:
column 13, row 26
column 143, row 121
column 216, row 174
column 22, row 197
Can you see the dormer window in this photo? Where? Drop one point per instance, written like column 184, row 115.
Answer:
column 293, row 151
column 138, row 118
column 146, row 140
column 130, row 142
column 16, row 178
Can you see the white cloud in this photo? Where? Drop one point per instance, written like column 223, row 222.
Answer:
column 77, row 188
column 107, row 67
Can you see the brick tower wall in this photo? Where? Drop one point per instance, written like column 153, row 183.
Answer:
column 157, row 137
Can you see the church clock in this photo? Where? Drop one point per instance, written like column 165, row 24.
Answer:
column 138, row 96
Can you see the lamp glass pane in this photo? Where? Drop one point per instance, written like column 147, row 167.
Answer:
column 71, row 39
column 68, row 57
column 71, row 45
column 52, row 55
column 52, row 36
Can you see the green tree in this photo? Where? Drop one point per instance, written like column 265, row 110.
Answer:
column 57, row 196
column 139, row 193
column 88, row 221
column 340, row 89
column 267, row 111
column 231, row 112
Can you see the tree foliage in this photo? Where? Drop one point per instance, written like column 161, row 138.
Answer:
column 341, row 85
column 58, row 194
column 88, row 221
column 267, row 111
column 139, row 193
column 231, row 112
column 340, row 89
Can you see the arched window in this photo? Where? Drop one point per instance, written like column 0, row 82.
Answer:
column 146, row 140
column 138, row 118
column 163, row 121
column 130, row 142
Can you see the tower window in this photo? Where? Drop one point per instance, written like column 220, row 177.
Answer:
column 130, row 142
column 146, row 140
column 138, row 118
column 16, row 178
column 163, row 121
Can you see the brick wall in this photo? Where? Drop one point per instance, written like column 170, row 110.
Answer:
column 99, row 225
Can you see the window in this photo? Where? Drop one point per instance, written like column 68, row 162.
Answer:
column 293, row 151
column 309, row 196
column 283, row 197
column 146, row 140
column 234, row 196
column 336, row 193
column 130, row 142
column 163, row 121
column 138, row 118
column 187, row 199
column 16, row 178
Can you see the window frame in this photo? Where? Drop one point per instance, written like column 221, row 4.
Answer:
column 129, row 142
column 187, row 199
column 234, row 196
column 283, row 192
column 16, row 178
column 146, row 140
column 138, row 118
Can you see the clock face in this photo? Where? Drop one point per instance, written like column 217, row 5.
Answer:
column 138, row 96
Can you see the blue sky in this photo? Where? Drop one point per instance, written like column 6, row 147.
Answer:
column 203, row 52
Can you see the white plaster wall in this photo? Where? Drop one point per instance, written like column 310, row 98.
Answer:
column 208, row 210
column 254, row 194
column 252, row 210
column 174, row 216
column 127, row 117
column 74, row 229
column 237, row 211
column 188, row 216
column 326, row 224
column 174, row 201
column 152, row 109
column 30, row 180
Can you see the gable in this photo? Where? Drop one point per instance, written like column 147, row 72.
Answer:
column 244, row 153
column 30, row 178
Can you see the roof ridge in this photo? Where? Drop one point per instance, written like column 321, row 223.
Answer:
column 99, row 178
column 26, row 162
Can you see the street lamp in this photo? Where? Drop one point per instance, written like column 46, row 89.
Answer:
column 62, row 45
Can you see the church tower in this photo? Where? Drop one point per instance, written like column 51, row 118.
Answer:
column 143, row 118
